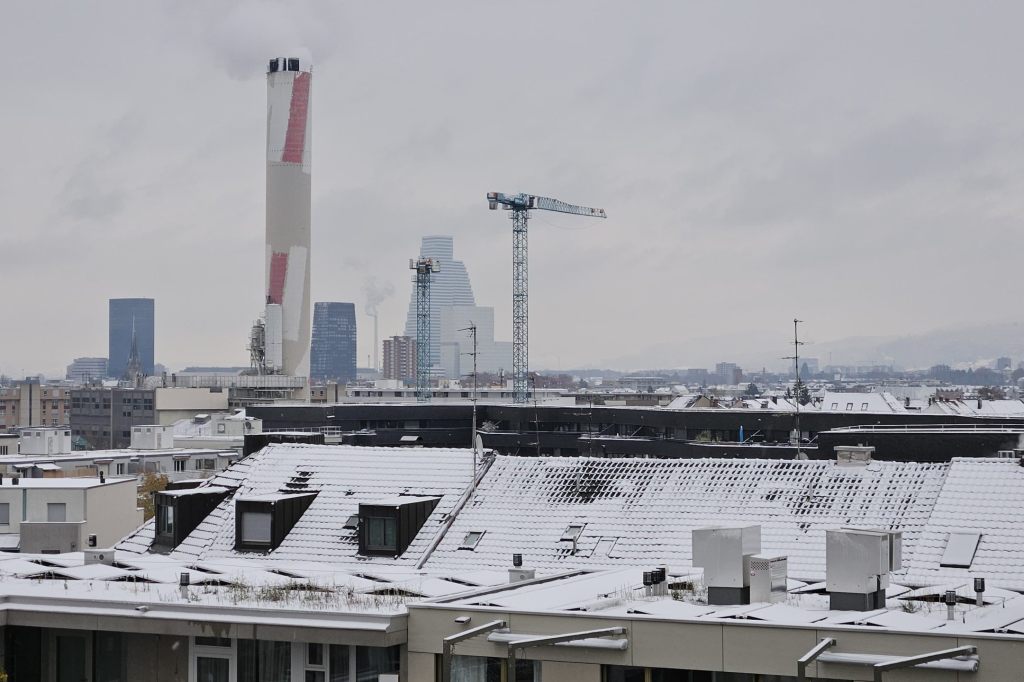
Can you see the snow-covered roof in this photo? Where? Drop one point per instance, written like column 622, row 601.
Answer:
column 344, row 477
column 643, row 510
column 619, row 593
column 983, row 497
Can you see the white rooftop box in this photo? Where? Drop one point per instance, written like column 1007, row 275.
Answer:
column 858, row 561
column 39, row 441
column 152, row 437
column 724, row 553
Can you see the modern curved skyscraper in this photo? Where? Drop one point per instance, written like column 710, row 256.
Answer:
column 289, row 128
column 449, row 287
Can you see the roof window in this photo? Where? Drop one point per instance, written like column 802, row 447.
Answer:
column 849, row 406
column 835, row 406
column 863, row 407
column 960, row 549
column 472, row 539
column 572, row 533
column 352, row 523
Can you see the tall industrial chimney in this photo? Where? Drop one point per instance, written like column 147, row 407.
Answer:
column 289, row 130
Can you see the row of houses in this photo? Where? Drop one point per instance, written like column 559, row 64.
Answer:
column 339, row 562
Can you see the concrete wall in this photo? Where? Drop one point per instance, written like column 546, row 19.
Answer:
column 37, row 538
column 112, row 511
column 38, row 498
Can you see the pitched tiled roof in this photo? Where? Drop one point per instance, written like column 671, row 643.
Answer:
column 642, row 511
column 343, row 477
column 982, row 496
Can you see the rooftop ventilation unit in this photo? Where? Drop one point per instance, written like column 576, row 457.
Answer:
column 724, row 553
column 99, row 556
column 857, row 567
column 768, row 578
column 853, row 455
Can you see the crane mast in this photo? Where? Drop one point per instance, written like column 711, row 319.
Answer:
column 424, row 268
column 520, row 206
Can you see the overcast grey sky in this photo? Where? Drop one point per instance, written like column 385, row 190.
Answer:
column 859, row 164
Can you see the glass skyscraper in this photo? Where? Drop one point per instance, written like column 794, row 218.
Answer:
column 333, row 348
column 124, row 314
column 448, row 287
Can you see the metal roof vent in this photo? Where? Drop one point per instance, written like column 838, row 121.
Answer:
column 724, row 553
column 857, row 567
column 768, row 578
column 517, row 573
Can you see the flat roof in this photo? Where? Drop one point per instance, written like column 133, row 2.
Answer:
column 79, row 482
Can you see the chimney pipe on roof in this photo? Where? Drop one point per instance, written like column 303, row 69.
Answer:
column 950, row 601
column 14, row 481
column 979, row 590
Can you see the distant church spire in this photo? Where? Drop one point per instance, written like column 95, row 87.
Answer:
column 133, row 372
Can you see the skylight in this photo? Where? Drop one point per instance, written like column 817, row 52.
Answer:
column 960, row 549
column 572, row 533
column 352, row 523
column 472, row 539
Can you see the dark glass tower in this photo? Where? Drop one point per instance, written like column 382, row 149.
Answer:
column 333, row 350
column 124, row 314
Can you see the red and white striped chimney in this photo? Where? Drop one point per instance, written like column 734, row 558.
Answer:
column 289, row 130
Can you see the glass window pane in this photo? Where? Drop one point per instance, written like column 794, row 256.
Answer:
column 260, row 661
column 256, row 527
column 339, row 663
column 212, row 669
column 315, row 654
column 315, row 676
column 623, row 673
column 5, row 513
column 372, row 661
column 213, row 641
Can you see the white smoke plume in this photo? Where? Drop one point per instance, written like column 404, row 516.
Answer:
column 376, row 294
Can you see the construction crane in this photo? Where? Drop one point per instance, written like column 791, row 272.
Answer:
column 520, row 206
column 424, row 267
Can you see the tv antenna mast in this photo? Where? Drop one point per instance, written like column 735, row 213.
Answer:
column 472, row 333
column 795, row 357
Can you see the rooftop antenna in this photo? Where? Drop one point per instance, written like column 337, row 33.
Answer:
column 795, row 357
column 472, row 332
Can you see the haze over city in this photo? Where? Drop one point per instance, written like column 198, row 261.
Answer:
column 858, row 165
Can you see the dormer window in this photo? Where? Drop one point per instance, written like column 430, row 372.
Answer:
column 262, row 522
column 179, row 511
column 388, row 527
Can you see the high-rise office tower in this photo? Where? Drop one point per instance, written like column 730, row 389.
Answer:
column 333, row 353
column 449, row 286
column 289, row 128
column 126, row 314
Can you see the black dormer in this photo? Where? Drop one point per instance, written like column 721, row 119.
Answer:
column 388, row 527
column 263, row 521
column 178, row 512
